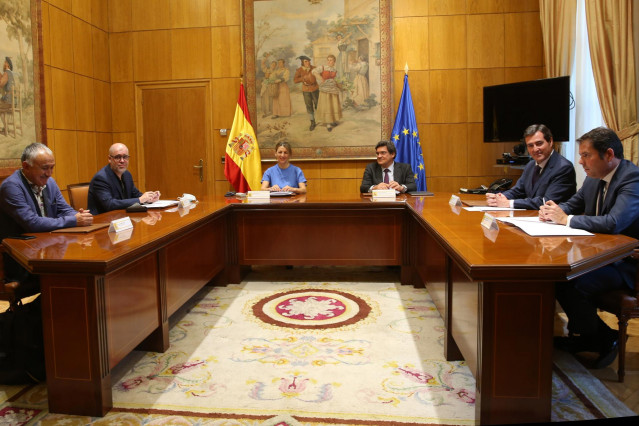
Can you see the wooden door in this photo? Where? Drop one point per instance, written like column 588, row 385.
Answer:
column 175, row 130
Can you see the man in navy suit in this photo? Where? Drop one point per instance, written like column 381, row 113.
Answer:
column 608, row 202
column 112, row 187
column 386, row 173
column 550, row 176
column 30, row 201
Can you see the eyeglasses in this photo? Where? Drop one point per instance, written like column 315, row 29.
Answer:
column 120, row 157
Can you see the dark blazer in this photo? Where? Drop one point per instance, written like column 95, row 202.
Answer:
column 105, row 192
column 20, row 213
column 620, row 211
column 402, row 174
column 557, row 182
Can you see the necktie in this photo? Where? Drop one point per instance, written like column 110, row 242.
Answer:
column 386, row 171
column 600, row 196
column 536, row 173
column 39, row 195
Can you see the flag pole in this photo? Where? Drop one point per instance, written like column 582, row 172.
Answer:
column 406, row 68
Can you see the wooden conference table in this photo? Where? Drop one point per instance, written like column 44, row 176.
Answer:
column 105, row 294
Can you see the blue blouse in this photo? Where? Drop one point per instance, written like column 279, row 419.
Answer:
column 291, row 176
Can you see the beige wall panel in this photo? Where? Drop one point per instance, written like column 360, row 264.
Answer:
column 84, row 103
column 62, row 4
column 101, row 67
column 339, row 169
column 219, row 150
column 123, row 107
column 449, row 148
column 447, row 7
column 225, row 12
column 485, row 155
column 194, row 61
column 477, row 79
column 336, row 186
column 152, row 55
column 66, row 157
column 486, row 6
column 419, row 82
column 102, row 105
column 224, row 94
column 513, row 75
column 63, row 93
column 61, row 38
column 120, row 15
column 311, row 169
column 121, row 52
column 410, row 43
column 81, row 9
column 100, row 14
column 222, row 187
column 150, row 15
column 82, row 48
column 448, row 92
column 523, row 48
column 48, row 96
column 226, row 45
column 190, row 13
column 410, row 8
column 485, row 41
column 447, row 185
column 521, row 5
column 88, row 164
column 447, row 46
column 102, row 143
column 46, row 37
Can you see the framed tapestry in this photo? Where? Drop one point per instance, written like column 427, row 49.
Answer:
column 22, row 118
column 318, row 75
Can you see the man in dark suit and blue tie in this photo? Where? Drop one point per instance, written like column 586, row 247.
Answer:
column 550, row 175
column 608, row 202
column 112, row 187
column 386, row 173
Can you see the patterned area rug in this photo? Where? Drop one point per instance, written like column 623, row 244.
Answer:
column 292, row 353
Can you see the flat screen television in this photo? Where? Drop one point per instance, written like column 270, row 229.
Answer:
column 510, row 108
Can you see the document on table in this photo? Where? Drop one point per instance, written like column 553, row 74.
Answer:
column 536, row 228
column 160, row 204
column 488, row 209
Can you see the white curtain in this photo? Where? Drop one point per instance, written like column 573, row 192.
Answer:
column 586, row 114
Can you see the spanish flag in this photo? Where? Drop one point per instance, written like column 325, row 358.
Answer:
column 243, row 166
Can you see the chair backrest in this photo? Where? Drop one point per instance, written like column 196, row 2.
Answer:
column 79, row 195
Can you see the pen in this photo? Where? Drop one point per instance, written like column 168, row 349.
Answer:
column 544, row 200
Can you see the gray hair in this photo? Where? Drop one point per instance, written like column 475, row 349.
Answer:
column 32, row 151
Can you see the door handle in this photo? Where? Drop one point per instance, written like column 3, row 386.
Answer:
column 201, row 167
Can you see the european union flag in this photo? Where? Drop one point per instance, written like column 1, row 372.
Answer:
column 406, row 138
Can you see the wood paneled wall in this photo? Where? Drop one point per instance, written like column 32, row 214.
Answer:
column 96, row 51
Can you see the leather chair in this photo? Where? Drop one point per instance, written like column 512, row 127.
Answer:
column 7, row 289
column 623, row 304
column 79, row 195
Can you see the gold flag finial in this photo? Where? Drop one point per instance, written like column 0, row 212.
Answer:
column 406, row 68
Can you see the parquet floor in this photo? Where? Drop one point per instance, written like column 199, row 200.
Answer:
column 627, row 392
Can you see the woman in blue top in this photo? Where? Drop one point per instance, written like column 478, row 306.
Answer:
column 284, row 176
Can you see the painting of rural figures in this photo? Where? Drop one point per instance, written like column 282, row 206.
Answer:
column 318, row 83
column 17, row 117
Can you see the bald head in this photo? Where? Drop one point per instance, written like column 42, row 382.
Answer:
column 119, row 158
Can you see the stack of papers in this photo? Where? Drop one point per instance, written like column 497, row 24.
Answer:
column 536, row 228
column 160, row 204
